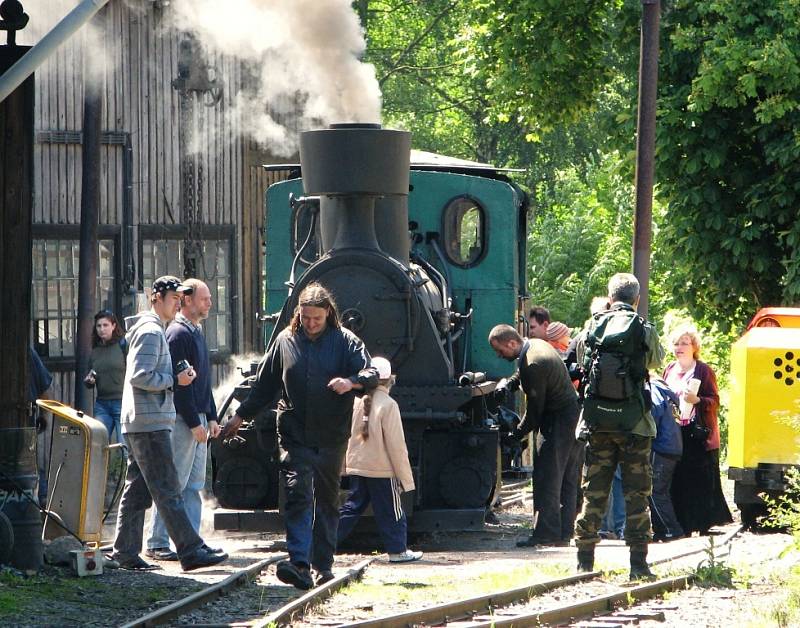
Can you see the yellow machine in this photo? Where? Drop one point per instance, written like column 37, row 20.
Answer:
column 764, row 416
column 77, row 480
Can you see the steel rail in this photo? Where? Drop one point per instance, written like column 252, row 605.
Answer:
column 516, row 485
column 190, row 602
column 462, row 609
column 285, row 614
column 593, row 606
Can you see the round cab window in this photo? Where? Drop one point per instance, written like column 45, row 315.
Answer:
column 464, row 231
column 301, row 224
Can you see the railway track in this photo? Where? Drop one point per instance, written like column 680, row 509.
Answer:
column 589, row 595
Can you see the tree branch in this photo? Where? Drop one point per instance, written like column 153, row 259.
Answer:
column 416, row 41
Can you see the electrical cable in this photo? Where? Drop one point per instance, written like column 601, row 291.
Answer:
column 44, row 511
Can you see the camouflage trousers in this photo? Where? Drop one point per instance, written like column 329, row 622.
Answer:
column 604, row 451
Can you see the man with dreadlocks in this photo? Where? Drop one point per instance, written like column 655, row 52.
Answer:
column 378, row 467
column 313, row 368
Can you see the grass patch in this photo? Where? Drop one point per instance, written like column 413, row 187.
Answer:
column 441, row 588
column 785, row 612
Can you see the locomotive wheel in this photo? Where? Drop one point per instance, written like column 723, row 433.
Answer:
column 242, row 483
column 465, row 484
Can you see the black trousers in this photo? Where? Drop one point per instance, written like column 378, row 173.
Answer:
column 556, row 476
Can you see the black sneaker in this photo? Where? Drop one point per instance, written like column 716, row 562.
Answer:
column 299, row 576
column 201, row 558
column 326, row 575
column 213, row 550
column 133, row 563
column 160, row 553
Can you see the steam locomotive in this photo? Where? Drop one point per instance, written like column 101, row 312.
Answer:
column 423, row 257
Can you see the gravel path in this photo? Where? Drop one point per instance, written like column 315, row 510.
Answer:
column 454, row 565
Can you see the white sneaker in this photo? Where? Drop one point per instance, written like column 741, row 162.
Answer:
column 405, row 557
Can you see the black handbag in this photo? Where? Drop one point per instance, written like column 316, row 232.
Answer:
column 698, row 431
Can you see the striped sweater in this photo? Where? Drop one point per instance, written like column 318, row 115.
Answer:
column 147, row 404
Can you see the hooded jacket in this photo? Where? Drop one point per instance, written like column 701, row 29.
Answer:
column 384, row 454
column 147, row 403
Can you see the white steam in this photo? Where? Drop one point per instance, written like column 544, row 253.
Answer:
column 304, row 59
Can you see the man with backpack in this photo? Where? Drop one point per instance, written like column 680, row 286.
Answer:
column 618, row 349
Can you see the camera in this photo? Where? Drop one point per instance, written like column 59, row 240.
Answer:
column 91, row 379
column 181, row 366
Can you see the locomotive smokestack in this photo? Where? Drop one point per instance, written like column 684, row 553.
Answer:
column 350, row 166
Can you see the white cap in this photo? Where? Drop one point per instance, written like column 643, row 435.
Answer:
column 384, row 367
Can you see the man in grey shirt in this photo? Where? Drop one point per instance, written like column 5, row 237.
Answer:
column 147, row 418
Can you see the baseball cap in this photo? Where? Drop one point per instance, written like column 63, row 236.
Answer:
column 167, row 283
column 384, row 367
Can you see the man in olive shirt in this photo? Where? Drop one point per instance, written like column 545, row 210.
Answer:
column 551, row 410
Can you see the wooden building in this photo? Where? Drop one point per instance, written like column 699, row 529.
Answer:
column 157, row 195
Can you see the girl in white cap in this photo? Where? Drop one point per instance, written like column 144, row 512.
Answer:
column 377, row 463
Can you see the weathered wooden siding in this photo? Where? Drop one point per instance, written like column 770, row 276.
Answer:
column 139, row 55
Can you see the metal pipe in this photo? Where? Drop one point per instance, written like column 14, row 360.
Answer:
column 646, row 148
column 90, row 212
column 37, row 55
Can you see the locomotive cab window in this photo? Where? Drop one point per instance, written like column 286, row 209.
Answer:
column 301, row 224
column 464, row 229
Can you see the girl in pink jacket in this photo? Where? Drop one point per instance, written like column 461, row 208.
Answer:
column 377, row 463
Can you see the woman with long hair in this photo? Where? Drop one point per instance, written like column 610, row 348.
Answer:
column 696, row 485
column 107, row 369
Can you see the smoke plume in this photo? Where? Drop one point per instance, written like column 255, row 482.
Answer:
column 303, row 57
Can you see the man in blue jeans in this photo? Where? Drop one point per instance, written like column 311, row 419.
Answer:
column 313, row 367
column 196, row 412
column 148, row 417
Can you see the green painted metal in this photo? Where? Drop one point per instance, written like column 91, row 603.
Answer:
column 490, row 287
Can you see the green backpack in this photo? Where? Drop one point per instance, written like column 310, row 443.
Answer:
column 615, row 364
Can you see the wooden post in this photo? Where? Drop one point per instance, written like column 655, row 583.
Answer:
column 18, row 473
column 16, row 196
column 645, row 149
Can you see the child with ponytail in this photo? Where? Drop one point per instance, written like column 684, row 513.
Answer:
column 377, row 463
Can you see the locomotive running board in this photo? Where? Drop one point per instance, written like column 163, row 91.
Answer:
column 444, row 520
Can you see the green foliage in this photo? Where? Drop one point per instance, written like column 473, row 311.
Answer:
column 713, row 572
column 543, row 61
column 784, row 509
column 728, row 155
column 580, row 238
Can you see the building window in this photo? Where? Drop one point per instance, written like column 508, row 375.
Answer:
column 165, row 257
column 55, row 292
column 464, row 231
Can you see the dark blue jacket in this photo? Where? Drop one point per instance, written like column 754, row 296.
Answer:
column 298, row 370
column 188, row 343
column 668, row 438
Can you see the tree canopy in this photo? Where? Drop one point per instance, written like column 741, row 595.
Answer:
column 551, row 86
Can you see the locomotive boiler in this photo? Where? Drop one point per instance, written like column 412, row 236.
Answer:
column 351, row 231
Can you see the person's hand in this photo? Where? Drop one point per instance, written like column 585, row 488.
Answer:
column 231, row 427
column 691, row 397
column 340, row 385
column 213, row 429
column 187, row 377
column 90, row 380
column 200, row 434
